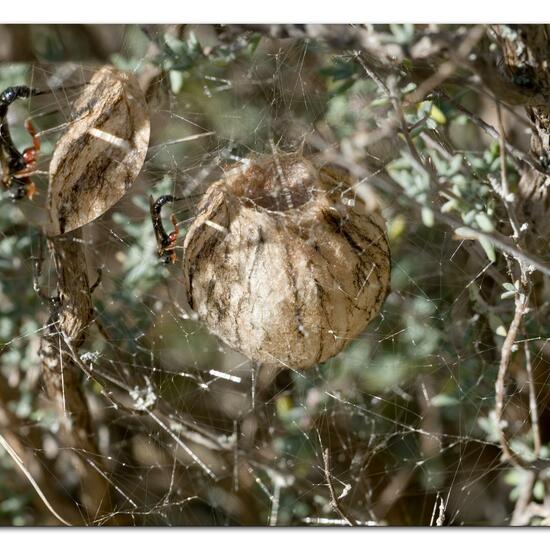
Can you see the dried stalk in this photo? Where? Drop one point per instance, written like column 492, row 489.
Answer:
column 532, row 401
column 38, row 472
column 520, row 515
column 505, row 188
column 21, row 465
column 447, row 68
column 71, row 314
column 505, row 356
column 333, row 498
column 516, row 155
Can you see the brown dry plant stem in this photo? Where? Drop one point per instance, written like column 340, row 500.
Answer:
column 516, row 155
column 447, row 68
column 504, row 186
column 333, row 498
column 34, row 470
column 533, row 410
column 21, row 465
column 500, row 393
column 526, row 50
column 71, row 314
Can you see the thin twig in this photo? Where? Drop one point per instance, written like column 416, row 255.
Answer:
column 396, row 103
column 505, row 356
column 333, row 499
column 11, row 451
column 492, row 132
column 532, row 400
column 505, row 189
column 447, row 68
column 70, row 317
column 520, row 515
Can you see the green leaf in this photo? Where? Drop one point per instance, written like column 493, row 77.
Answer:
column 427, row 217
column 465, row 233
column 380, row 102
column 496, row 324
column 437, row 115
column 179, row 47
column 488, row 248
column 484, row 223
column 176, row 81
column 410, row 87
column 450, row 205
column 538, row 490
column 443, row 400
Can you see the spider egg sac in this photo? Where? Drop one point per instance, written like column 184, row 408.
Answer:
column 101, row 153
column 280, row 266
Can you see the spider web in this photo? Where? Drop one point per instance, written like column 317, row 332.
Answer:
column 193, row 433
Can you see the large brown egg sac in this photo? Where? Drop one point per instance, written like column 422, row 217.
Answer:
column 101, row 152
column 282, row 264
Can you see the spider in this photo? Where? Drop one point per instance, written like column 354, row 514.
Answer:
column 166, row 243
column 16, row 166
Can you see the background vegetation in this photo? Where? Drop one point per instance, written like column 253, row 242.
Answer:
column 437, row 415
